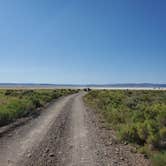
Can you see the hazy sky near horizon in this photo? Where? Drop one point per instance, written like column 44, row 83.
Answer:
column 83, row 41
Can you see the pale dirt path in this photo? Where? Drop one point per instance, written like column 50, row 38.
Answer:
column 65, row 134
column 82, row 153
column 20, row 141
column 68, row 142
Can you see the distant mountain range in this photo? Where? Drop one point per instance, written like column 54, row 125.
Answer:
column 118, row 85
column 134, row 85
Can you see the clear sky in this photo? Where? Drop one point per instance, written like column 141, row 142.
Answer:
column 83, row 41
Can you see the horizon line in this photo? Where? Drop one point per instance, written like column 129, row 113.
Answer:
column 35, row 83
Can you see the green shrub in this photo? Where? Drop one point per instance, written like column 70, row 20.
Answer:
column 129, row 133
column 142, row 132
column 139, row 117
column 159, row 159
column 18, row 103
column 8, row 92
column 163, row 133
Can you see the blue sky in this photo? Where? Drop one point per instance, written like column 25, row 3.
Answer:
column 83, row 41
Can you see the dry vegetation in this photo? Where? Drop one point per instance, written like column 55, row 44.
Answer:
column 139, row 117
column 15, row 104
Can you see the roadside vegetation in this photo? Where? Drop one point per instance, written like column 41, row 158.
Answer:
column 15, row 104
column 138, row 117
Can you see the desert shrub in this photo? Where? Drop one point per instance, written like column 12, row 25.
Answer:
column 139, row 117
column 161, row 116
column 143, row 132
column 18, row 103
column 129, row 133
column 163, row 133
column 36, row 102
column 159, row 159
column 145, row 150
column 8, row 92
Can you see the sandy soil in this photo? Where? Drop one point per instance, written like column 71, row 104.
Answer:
column 67, row 133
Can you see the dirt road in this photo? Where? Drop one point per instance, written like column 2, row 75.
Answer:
column 65, row 134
